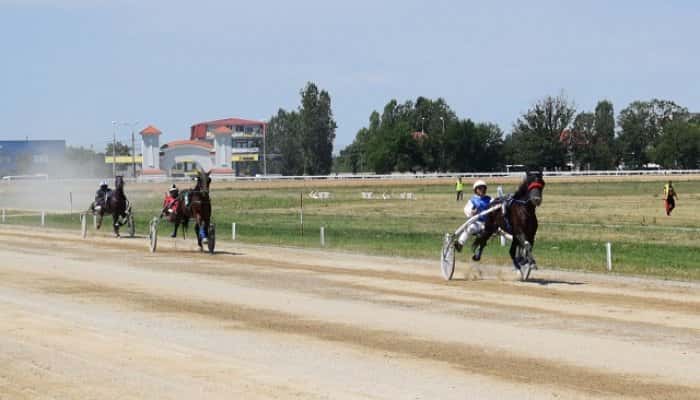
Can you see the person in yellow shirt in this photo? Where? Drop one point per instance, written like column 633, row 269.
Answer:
column 459, row 187
column 669, row 197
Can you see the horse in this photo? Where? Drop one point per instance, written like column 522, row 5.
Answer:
column 116, row 204
column 195, row 203
column 518, row 219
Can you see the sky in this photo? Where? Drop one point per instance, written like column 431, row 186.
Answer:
column 69, row 68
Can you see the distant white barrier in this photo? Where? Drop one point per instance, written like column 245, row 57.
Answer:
column 367, row 195
column 407, row 196
column 320, row 195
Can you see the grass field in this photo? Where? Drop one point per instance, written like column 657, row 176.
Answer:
column 577, row 218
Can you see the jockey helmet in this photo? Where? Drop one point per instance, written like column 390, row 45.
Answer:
column 479, row 183
column 104, row 184
column 173, row 188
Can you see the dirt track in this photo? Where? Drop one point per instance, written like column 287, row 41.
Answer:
column 102, row 318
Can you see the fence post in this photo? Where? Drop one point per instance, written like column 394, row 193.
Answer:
column 94, row 221
column 70, row 201
column 503, row 241
column 3, row 215
column 323, row 237
column 233, row 231
column 43, row 218
column 301, row 212
column 83, row 225
column 608, row 250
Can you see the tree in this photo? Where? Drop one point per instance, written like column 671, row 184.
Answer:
column 423, row 136
column 679, row 147
column 536, row 134
column 301, row 142
column 580, row 139
column 604, row 150
column 284, row 143
column 642, row 124
column 317, row 130
column 121, row 149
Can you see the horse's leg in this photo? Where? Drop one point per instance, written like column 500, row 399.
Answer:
column 115, row 223
column 202, row 232
column 479, row 244
column 177, row 224
column 196, row 232
column 514, row 253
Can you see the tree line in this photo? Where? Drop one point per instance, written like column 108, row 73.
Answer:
column 426, row 135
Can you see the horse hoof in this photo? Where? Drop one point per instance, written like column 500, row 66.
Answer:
column 476, row 257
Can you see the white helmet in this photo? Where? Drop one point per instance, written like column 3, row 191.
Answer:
column 104, row 183
column 479, row 183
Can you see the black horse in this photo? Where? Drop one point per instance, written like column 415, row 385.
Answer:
column 195, row 203
column 517, row 218
column 116, row 204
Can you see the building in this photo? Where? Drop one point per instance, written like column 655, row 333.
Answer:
column 21, row 157
column 247, row 143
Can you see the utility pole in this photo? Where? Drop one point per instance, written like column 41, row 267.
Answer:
column 442, row 145
column 114, row 150
column 265, row 149
column 133, row 152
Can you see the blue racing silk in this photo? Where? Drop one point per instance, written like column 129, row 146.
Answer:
column 481, row 204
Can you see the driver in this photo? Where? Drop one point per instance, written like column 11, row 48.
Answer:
column 101, row 196
column 478, row 203
column 170, row 202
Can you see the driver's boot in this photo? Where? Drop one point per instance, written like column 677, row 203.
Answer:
column 459, row 243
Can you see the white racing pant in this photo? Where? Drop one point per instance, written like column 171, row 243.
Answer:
column 472, row 229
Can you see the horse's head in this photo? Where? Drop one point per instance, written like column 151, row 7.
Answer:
column 203, row 180
column 531, row 188
column 119, row 182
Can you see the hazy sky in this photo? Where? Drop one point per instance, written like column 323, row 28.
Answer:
column 69, row 68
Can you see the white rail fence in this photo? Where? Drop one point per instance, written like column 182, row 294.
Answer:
column 371, row 176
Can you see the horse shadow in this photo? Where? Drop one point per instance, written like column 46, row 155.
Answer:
column 547, row 282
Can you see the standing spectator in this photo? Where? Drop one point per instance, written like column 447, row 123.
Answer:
column 669, row 197
column 460, row 189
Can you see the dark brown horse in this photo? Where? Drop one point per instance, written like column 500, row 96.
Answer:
column 116, row 204
column 195, row 203
column 516, row 218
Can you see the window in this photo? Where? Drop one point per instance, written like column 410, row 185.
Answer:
column 40, row 159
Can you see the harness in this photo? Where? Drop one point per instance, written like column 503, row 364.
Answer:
column 507, row 203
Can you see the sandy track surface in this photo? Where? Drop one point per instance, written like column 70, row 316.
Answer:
column 102, row 318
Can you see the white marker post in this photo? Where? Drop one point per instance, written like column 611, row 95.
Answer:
column 43, row 218
column 70, row 202
column 3, row 215
column 503, row 241
column 94, row 221
column 608, row 250
column 83, row 225
column 323, row 237
column 233, row 231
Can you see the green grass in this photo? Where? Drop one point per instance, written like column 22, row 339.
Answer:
column 576, row 220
